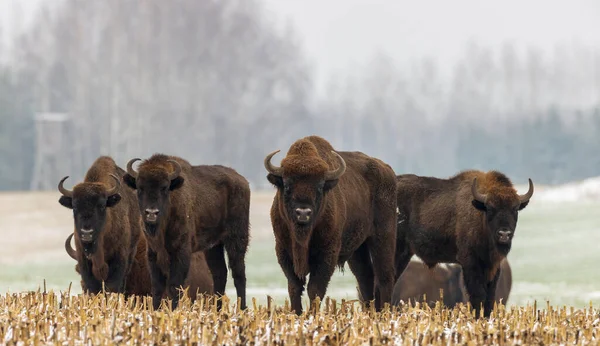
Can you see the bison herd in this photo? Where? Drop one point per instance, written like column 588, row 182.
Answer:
column 168, row 225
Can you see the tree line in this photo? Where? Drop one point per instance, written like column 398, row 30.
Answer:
column 216, row 83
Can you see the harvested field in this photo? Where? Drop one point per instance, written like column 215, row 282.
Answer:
column 38, row 318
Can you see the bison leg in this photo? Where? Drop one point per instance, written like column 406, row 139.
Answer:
column 476, row 287
column 295, row 284
column 92, row 285
column 403, row 251
column 361, row 267
column 382, row 254
column 491, row 293
column 321, row 271
column 115, row 281
column 159, row 280
column 236, row 252
column 215, row 258
column 178, row 272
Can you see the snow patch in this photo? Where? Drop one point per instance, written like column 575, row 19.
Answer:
column 587, row 190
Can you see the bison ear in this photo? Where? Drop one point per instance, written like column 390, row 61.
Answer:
column 129, row 180
column 479, row 206
column 66, row 202
column 176, row 183
column 275, row 180
column 330, row 184
column 523, row 205
column 112, row 200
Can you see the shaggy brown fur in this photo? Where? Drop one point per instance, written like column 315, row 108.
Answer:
column 468, row 219
column 139, row 283
column 112, row 222
column 192, row 208
column 418, row 280
column 322, row 219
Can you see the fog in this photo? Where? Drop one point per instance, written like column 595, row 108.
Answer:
column 431, row 87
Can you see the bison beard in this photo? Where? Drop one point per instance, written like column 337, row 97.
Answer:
column 107, row 227
column 187, row 209
column 332, row 207
column 469, row 219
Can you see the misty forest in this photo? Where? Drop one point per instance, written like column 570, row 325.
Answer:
column 216, row 82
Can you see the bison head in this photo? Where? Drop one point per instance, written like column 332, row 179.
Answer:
column 154, row 181
column 89, row 202
column 501, row 205
column 303, row 179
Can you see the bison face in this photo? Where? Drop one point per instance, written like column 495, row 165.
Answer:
column 302, row 198
column 501, row 212
column 153, row 186
column 303, row 194
column 89, row 202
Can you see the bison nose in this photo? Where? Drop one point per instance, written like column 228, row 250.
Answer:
column 504, row 234
column 151, row 214
column 303, row 214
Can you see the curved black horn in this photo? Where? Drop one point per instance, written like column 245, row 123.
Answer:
column 62, row 189
column 524, row 198
column 130, row 170
column 337, row 173
column 116, row 187
column 72, row 252
column 481, row 197
column 275, row 170
column 177, row 171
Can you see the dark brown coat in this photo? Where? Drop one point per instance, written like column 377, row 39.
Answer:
column 332, row 207
column 107, row 226
column 139, row 282
column 192, row 208
column 418, row 280
column 469, row 219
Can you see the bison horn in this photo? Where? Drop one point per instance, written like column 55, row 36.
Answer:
column 481, row 197
column 62, row 189
column 130, row 170
column 336, row 174
column 116, row 187
column 72, row 252
column 177, row 171
column 524, row 198
column 278, row 171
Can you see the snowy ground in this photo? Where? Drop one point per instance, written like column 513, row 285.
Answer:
column 554, row 253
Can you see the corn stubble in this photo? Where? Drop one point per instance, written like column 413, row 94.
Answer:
column 36, row 318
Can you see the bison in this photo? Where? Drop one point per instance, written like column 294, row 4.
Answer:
column 469, row 219
column 138, row 281
column 107, row 226
column 189, row 208
column 331, row 207
column 418, row 280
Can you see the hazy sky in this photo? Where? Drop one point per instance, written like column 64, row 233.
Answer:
column 338, row 34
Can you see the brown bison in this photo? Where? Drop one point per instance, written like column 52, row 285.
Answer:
column 107, row 226
column 332, row 207
column 192, row 208
column 469, row 219
column 418, row 280
column 139, row 282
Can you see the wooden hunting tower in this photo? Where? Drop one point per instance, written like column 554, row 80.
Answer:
column 53, row 154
